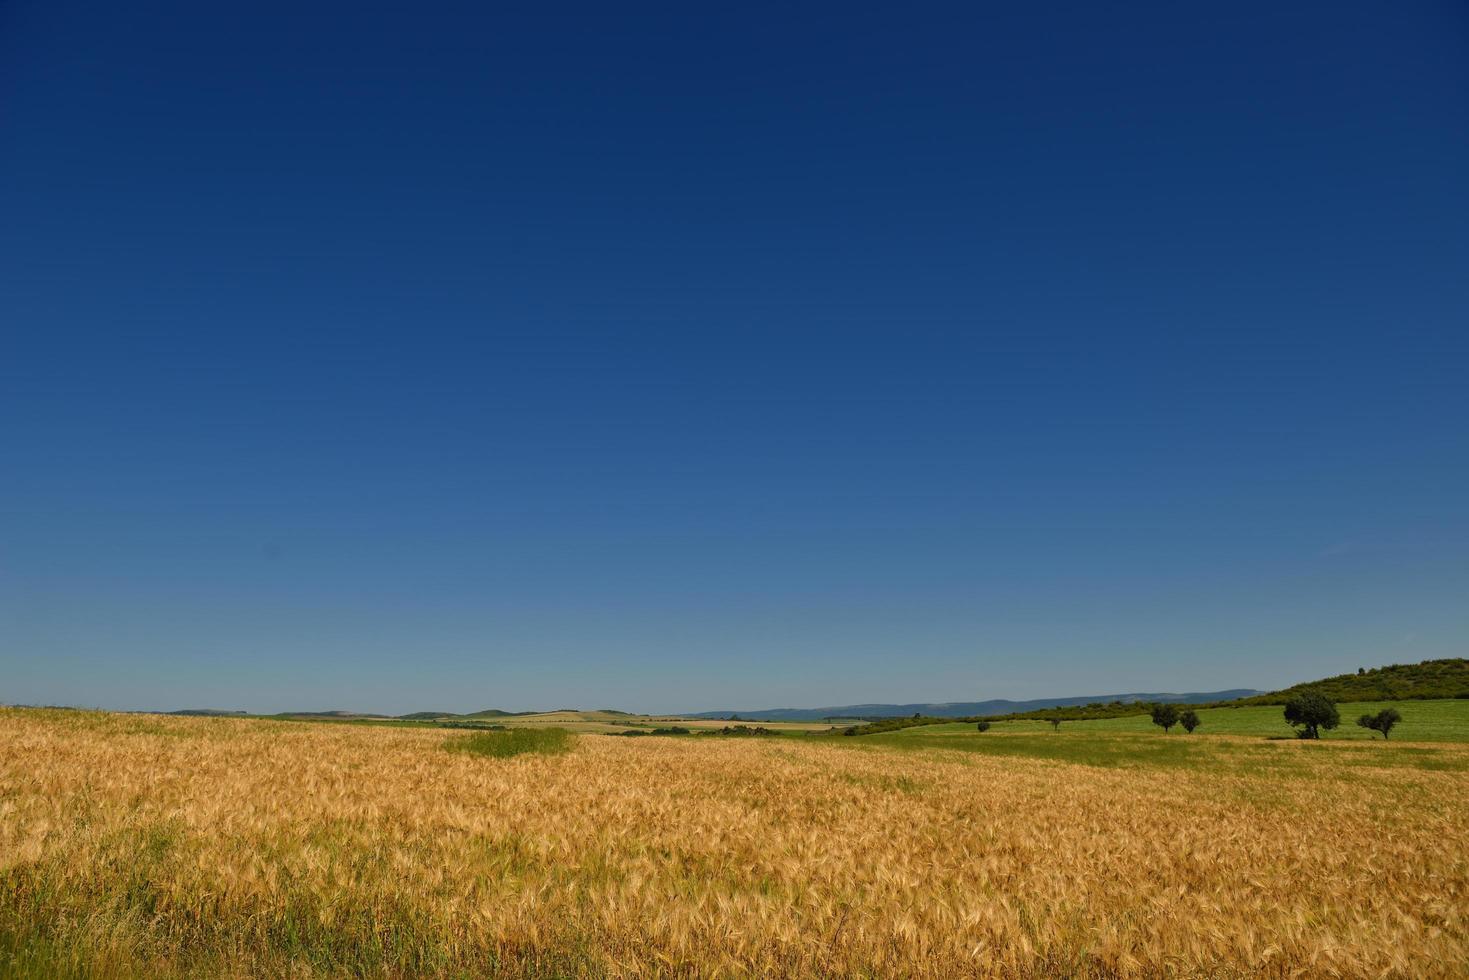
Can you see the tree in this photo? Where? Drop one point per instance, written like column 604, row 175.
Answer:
column 1189, row 720
column 1055, row 721
column 1165, row 716
column 1383, row 721
column 983, row 726
column 1311, row 711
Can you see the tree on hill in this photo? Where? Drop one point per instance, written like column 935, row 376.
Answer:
column 1311, row 711
column 1189, row 720
column 1383, row 721
column 983, row 726
column 1165, row 716
column 1428, row 680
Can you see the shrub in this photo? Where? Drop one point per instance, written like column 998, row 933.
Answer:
column 1165, row 716
column 983, row 726
column 884, row 725
column 1383, row 721
column 513, row 741
column 1190, row 720
column 1311, row 711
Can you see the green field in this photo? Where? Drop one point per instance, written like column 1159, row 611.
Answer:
column 1257, row 740
column 1139, row 750
column 1423, row 721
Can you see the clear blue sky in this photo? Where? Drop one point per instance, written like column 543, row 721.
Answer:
column 454, row 355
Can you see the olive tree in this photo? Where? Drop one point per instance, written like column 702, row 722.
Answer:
column 1311, row 712
column 1165, row 716
column 1383, row 721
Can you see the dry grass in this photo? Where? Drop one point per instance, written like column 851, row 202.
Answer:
column 146, row 846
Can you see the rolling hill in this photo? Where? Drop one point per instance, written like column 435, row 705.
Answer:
column 1428, row 680
column 966, row 709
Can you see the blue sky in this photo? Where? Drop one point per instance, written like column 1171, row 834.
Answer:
column 452, row 355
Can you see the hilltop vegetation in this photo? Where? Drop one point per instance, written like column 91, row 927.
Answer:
column 1426, row 681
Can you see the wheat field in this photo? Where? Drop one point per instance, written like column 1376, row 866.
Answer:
column 135, row 846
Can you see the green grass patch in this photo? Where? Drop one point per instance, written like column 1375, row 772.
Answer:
column 513, row 741
column 1423, row 721
column 1087, row 750
column 1145, row 750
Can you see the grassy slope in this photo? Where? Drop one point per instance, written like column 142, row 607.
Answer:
column 1423, row 721
column 1135, row 750
column 1430, row 679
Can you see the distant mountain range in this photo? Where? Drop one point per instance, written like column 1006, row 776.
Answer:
column 1428, row 680
column 370, row 716
column 966, row 709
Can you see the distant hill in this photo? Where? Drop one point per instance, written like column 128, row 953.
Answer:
column 486, row 713
column 354, row 715
column 337, row 715
column 967, row 709
column 1429, row 680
